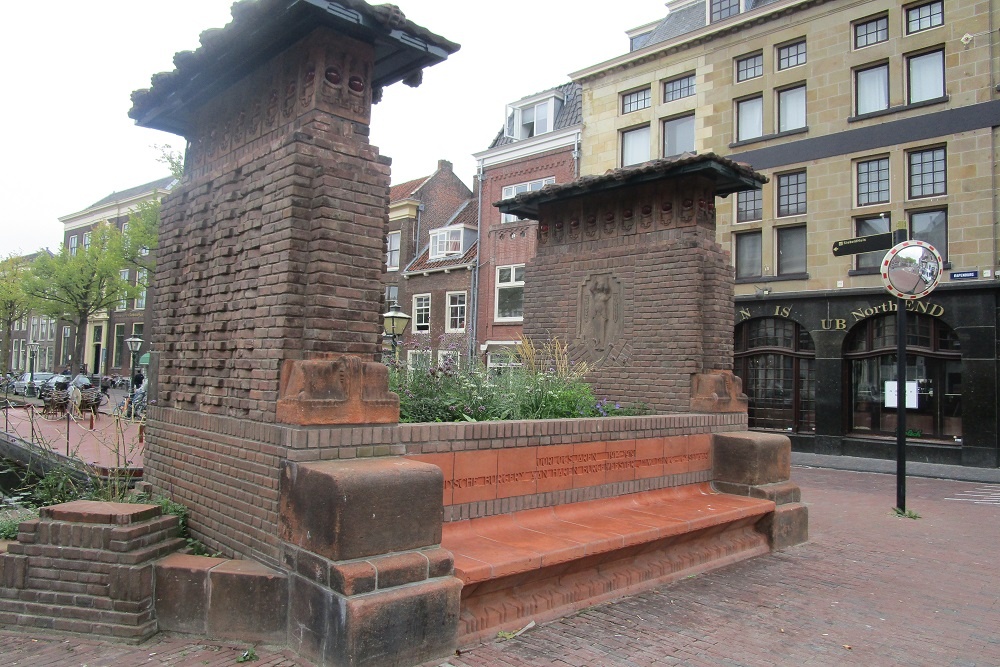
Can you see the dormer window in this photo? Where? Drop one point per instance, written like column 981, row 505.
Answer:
column 532, row 117
column 446, row 242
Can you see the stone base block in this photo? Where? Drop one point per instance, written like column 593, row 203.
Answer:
column 344, row 510
column 780, row 493
column 787, row 526
column 751, row 458
column 396, row 627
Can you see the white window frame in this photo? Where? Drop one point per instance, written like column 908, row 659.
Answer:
column 516, row 126
column 444, row 355
column 392, row 252
column 140, row 300
column 73, row 243
column 512, row 283
column 422, row 312
column 413, row 357
column 456, row 311
column 123, row 274
column 446, row 242
column 511, row 191
column 86, row 240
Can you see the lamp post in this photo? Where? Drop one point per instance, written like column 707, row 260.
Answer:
column 395, row 322
column 31, row 389
column 133, row 344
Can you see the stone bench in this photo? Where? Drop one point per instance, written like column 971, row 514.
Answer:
column 540, row 563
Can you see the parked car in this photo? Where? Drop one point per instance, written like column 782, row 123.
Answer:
column 21, row 384
column 50, row 384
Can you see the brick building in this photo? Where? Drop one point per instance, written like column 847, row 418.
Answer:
column 105, row 350
column 865, row 117
column 539, row 146
column 33, row 327
column 430, row 255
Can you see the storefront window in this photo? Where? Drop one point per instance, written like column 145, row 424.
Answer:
column 775, row 359
column 933, row 377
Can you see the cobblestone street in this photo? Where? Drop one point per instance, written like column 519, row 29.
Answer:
column 868, row 589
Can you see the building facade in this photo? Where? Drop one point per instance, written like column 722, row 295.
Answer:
column 539, row 146
column 866, row 117
column 105, row 352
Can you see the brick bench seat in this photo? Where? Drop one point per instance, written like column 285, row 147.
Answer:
column 542, row 563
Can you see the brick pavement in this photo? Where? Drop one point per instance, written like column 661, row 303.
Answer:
column 868, row 589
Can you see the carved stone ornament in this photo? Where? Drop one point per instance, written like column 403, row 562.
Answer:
column 599, row 313
column 717, row 391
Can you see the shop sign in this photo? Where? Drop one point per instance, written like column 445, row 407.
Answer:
column 964, row 275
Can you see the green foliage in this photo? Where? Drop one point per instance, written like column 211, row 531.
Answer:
column 140, row 240
column 248, row 655
column 10, row 520
column 538, row 384
column 173, row 159
column 905, row 514
column 61, row 484
column 14, row 303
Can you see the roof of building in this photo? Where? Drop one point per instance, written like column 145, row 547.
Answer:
column 146, row 188
column 407, row 189
column 688, row 18
column 260, row 29
column 729, row 176
column 570, row 114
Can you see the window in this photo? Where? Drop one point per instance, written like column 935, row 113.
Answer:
column 924, row 17
column 676, row 89
column 532, row 119
column 748, row 258
column 792, row 194
column 635, row 146
column 446, row 242
column 722, row 9
column 637, row 42
column 750, row 67
column 66, row 352
column 123, row 276
column 392, row 251
column 391, row 294
column 678, row 135
column 72, row 245
column 791, row 250
column 52, row 329
column 933, row 364
column 878, row 224
column 749, row 118
column 137, row 329
column 931, row 227
column 450, row 359
column 925, row 76
column 510, row 191
column 872, row 89
column 116, row 360
column 791, row 109
column 140, row 282
column 422, row 312
column 420, row 359
column 792, row 55
column 86, row 240
column 927, row 172
column 510, row 294
column 748, row 206
column 776, row 360
column 636, row 100
column 33, row 335
column 873, row 181
column 456, row 312
column 871, row 32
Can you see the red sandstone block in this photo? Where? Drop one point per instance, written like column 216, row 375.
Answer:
column 248, row 601
column 182, row 592
column 399, row 569
column 353, row 578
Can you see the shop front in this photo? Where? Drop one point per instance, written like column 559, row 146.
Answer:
column 821, row 367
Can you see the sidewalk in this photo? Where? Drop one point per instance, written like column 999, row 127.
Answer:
column 867, row 589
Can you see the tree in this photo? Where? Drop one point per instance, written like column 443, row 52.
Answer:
column 14, row 303
column 75, row 287
column 141, row 236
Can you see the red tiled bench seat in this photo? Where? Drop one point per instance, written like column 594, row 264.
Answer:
column 542, row 563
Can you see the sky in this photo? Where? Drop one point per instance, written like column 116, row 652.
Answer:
column 69, row 68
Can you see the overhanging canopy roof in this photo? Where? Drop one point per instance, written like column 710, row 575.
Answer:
column 262, row 28
column 729, row 177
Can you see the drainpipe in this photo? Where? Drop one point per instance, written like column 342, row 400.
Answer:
column 474, row 283
column 576, row 155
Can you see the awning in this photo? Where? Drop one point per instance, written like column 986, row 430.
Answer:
column 144, row 360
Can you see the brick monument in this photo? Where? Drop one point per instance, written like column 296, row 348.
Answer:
column 267, row 276
column 629, row 275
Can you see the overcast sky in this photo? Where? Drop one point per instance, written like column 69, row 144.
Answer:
column 69, row 68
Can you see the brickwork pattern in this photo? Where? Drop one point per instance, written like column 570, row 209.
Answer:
column 78, row 576
column 227, row 470
column 257, row 261
column 658, row 242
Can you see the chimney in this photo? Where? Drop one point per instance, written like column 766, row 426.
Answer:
column 444, row 165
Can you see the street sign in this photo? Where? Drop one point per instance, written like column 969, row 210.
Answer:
column 861, row 244
column 911, row 269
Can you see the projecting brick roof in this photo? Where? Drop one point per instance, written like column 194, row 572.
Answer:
column 159, row 184
column 570, row 114
column 262, row 28
column 407, row 189
column 730, row 176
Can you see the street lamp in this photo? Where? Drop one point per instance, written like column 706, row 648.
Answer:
column 395, row 322
column 133, row 344
column 32, row 352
